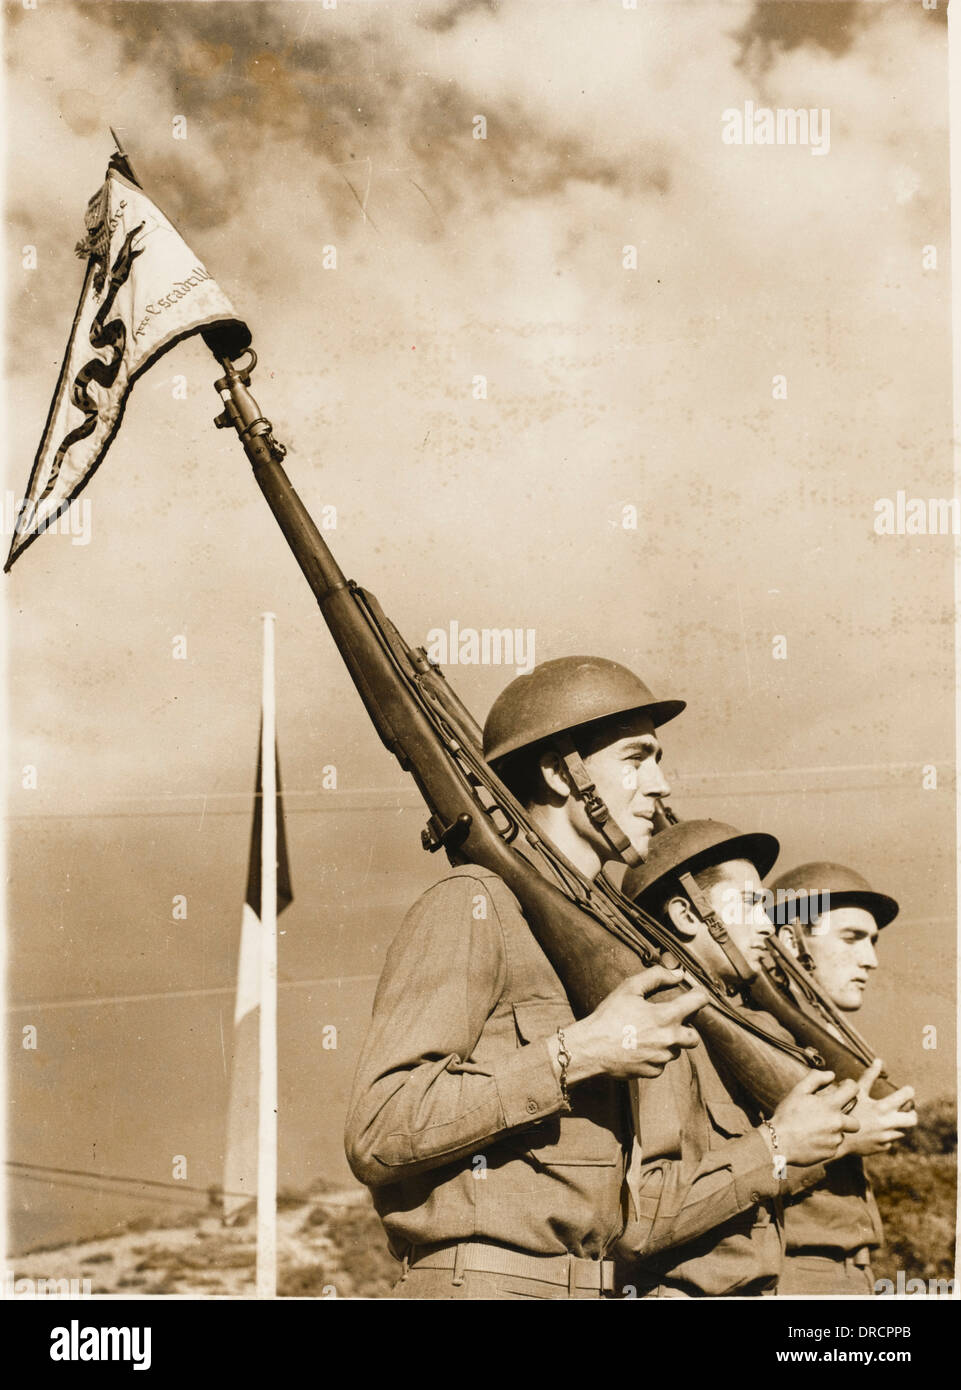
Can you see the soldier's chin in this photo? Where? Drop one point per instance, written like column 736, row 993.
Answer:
column 640, row 839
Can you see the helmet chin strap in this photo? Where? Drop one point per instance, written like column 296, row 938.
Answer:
column 797, row 947
column 719, row 933
column 598, row 814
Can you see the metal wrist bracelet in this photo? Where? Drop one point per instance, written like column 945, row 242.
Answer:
column 564, row 1061
column 766, row 1124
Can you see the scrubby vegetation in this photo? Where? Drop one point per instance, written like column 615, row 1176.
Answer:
column 916, row 1189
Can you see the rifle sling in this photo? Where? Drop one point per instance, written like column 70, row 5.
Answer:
column 702, row 906
column 585, row 790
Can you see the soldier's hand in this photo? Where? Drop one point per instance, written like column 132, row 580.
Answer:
column 810, row 1121
column 882, row 1122
column 630, row 1035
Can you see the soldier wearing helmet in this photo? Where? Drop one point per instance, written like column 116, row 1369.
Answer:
column 829, row 917
column 575, row 741
column 711, row 1172
column 490, row 1126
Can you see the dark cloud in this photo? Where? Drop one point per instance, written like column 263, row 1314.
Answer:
column 451, row 15
column 269, row 77
column 345, row 98
column 780, row 26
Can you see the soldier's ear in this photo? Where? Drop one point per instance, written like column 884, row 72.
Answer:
column 553, row 773
column 682, row 917
column 787, row 939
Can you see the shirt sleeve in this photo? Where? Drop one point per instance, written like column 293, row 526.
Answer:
column 418, row 1102
column 681, row 1189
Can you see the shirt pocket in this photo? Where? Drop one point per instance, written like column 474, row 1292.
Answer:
column 727, row 1118
column 540, row 1018
column 587, row 1138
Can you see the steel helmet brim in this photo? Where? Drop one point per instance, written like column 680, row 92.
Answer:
column 564, row 694
column 816, row 880
column 882, row 908
column 693, row 845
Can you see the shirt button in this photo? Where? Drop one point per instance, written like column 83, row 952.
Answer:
column 755, row 1196
column 532, row 1107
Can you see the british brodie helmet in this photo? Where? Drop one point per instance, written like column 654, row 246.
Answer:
column 679, row 852
column 819, row 884
column 559, row 696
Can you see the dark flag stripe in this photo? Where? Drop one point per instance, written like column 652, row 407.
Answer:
column 285, row 894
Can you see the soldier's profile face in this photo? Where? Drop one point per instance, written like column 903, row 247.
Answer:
column 738, row 899
column 842, row 945
column 627, row 774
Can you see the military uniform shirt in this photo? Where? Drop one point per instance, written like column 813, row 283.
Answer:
column 456, row 1120
column 839, row 1214
column 706, row 1220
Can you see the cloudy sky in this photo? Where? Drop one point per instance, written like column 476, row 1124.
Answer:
column 607, row 388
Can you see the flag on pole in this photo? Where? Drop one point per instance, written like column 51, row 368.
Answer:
column 240, row 1162
column 143, row 290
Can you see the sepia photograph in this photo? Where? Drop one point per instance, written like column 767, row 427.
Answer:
column 481, row 527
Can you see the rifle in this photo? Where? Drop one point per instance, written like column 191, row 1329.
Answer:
column 592, row 936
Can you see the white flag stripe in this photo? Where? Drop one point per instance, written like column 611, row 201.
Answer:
column 240, row 1158
column 248, row 966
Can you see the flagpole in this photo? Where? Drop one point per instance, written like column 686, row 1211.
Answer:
column 267, row 1109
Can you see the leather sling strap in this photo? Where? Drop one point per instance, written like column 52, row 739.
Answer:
column 702, row 906
column 585, row 790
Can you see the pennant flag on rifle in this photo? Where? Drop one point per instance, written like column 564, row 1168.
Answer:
column 240, row 1162
column 143, row 290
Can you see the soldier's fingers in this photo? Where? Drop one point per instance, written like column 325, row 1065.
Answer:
column 896, row 1100
column 656, row 1058
column 845, row 1095
column 655, row 977
column 683, row 1006
column 813, row 1081
column 686, row 1037
column 850, row 1124
column 871, row 1075
column 660, row 1055
column 902, row 1119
